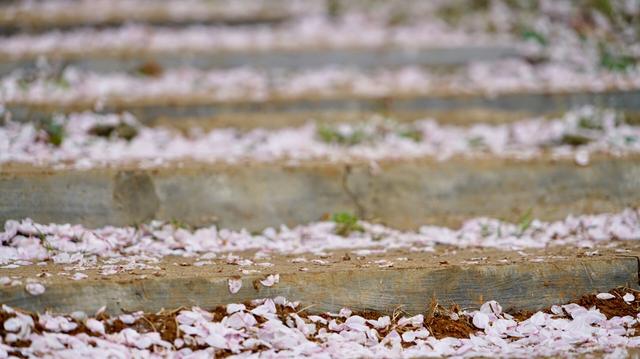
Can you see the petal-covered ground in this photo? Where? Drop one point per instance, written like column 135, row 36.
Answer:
column 564, row 47
column 353, row 32
column 278, row 328
column 24, row 242
column 88, row 140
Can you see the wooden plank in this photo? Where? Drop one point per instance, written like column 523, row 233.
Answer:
column 528, row 286
column 403, row 194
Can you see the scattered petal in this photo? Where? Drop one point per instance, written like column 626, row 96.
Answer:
column 234, row 285
column 605, row 296
column 270, row 280
column 35, row 288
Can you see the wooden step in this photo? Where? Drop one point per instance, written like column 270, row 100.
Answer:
column 297, row 110
column 401, row 193
column 132, row 62
column 532, row 280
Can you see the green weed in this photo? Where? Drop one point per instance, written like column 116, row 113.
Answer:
column 346, row 223
column 55, row 131
column 525, row 221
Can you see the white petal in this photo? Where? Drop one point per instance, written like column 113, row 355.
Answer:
column 95, row 326
column 270, row 280
column 605, row 296
column 35, row 288
column 232, row 308
column 12, row 325
column 235, row 285
column 480, row 320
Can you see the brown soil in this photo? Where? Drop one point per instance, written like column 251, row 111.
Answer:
column 442, row 326
column 521, row 315
column 615, row 307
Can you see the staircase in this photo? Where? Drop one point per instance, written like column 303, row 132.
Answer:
column 371, row 155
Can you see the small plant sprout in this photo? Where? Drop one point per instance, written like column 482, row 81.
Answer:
column 373, row 130
column 44, row 242
column 525, row 221
column 346, row 223
column 616, row 61
column 342, row 135
column 178, row 224
column 529, row 34
column 485, row 230
column 476, row 142
column 590, row 123
column 54, row 130
column 605, row 7
column 411, row 132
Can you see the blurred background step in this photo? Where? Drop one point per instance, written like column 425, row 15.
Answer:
column 275, row 59
column 401, row 193
column 462, row 109
column 34, row 16
column 38, row 16
column 303, row 42
column 383, row 57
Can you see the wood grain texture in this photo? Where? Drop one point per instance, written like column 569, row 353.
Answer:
column 529, row 286
column 403, row 194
